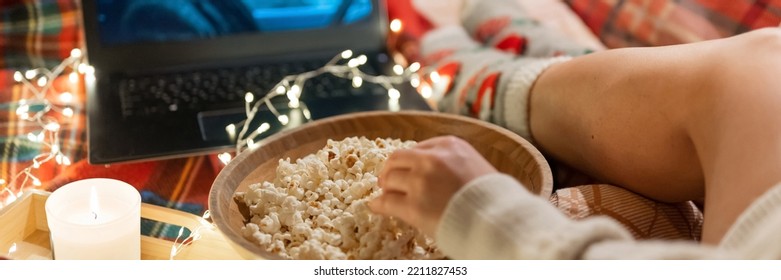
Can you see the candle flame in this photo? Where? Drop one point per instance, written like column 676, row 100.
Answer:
column 93, row 203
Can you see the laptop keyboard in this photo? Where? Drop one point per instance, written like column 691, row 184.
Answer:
column 215, row 89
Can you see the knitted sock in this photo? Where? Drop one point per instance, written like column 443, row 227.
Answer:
column 482, row 82
column 505, row 25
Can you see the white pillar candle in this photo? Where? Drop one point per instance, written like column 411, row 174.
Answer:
column 95, row 219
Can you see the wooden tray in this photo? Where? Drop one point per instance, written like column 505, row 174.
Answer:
column 24, row 232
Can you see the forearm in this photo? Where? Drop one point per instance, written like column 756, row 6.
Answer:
column 494, row 217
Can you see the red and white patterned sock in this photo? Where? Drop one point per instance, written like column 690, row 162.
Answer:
column 505, row 25
column 481, row 82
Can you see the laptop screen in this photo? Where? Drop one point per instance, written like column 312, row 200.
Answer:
column 122, row 22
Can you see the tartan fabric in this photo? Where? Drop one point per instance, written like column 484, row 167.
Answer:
column 627, row 23
column 181, row 184
column 38, row 33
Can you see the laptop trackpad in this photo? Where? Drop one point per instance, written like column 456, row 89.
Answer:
column 215, row 125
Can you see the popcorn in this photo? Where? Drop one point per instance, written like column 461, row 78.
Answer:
column 316, row 207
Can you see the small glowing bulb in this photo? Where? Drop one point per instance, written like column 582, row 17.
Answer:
column 66, row 161
column 18, row 76
column 435, row 78
column 414, row 67
column 66, row 97
column 281, row 90
column 414, row 81
column 251, row 144
column 295, row 91
column 426, row 92
column 68, row 112
column 395, row 25
column 36, row 164
column 31, row 136
column 394, row 93
column 52, row 126
column 353, row 63
column 231, row 130
column 263, row 127
column 362, row 59
column 248, row 97
column 307, row 114
column 42, row 81
column 294, row 103
column 224, row 158
column 82, row 68
column 357, row 81
column 40, row 136
column 90, row 70
column 12, row 250
column 283, row 119
column 2, row 181
column 55, row 148
column 73, row 77
column 36, row 182
column 347, row 54
column 76, row 53
column 398, row 69
column 22, row 110
column 29, row 74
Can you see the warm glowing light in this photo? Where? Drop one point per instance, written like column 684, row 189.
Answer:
column 307, row 114
column 362, row 59
column 36, row 182
column 426, row 91
column 398, row 69
column 353, row 63
column 294, row 103
column 414, row 82
column 22, row 110
column 394, row 93
column 2, row 182
column 68, row 112
column 251, row 144
column 66, row 97
column 435, row 78
column 31, row 136
column 18, row 76
column 414, row 67
column 55, row 148
column 29, row 74
column 73, row 77
column 357, row 81
column 248, row 97
column 283, row 119
column 66, row 160
column 76, row 53
column 12, row 250
column 263, row 127
column 52, row 126
column 347, row 54
column 82, row 68
column 224, row 158
column 231, row 129
column 281, row 90
column 395, row 25
column 42, row 81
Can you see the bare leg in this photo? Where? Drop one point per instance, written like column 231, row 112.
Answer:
column 671, row 123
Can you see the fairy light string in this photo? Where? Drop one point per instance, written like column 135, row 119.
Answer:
column 344, row 65
column 44, row 112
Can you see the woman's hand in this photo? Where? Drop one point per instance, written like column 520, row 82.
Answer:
column 418, row 183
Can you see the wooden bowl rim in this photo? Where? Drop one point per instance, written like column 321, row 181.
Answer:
column 219, row 218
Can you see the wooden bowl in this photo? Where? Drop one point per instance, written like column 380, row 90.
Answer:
column 507, row 151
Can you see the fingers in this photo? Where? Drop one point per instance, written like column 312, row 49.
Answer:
column 395, row 180
column 437, row 142
column 390, row 204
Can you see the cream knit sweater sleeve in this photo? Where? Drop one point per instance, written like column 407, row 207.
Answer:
column 495, row 217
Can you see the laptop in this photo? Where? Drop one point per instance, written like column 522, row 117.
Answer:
column 171, row 75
